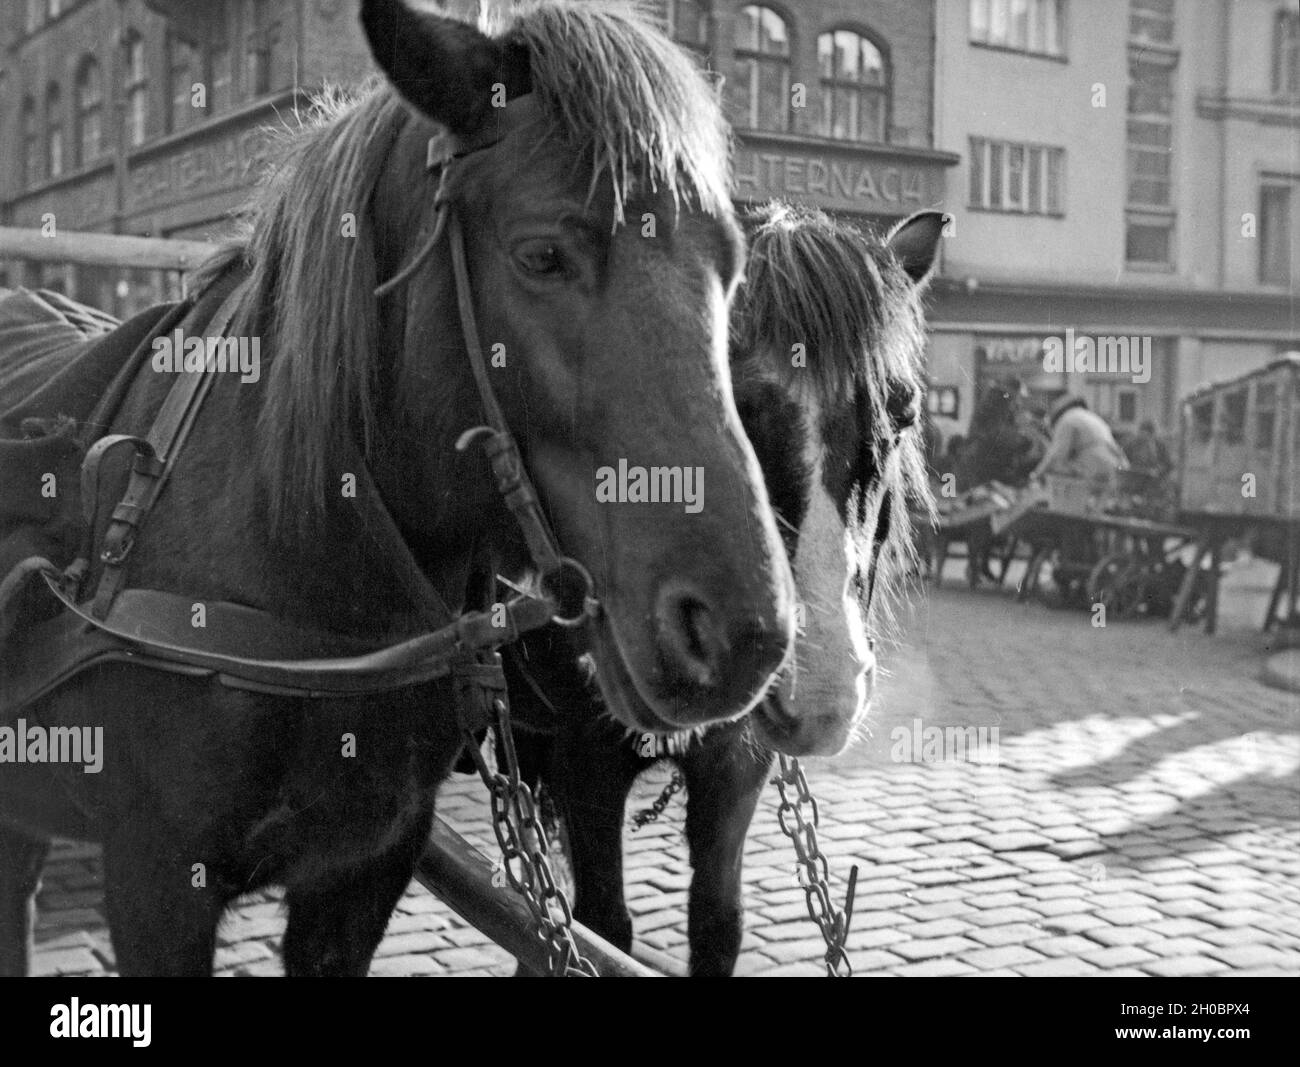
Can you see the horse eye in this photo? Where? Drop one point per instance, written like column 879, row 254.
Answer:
column 542, row 258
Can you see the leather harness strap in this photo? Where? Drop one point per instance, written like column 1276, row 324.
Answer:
column 155, row 456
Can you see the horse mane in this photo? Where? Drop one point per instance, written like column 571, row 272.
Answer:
column 621, row 94
column 816, row 281
column 613, row 87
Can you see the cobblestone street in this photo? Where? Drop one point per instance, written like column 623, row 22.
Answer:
column 1137, row 812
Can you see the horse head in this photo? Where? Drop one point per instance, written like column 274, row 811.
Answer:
column 591, row 188
column 827, row 373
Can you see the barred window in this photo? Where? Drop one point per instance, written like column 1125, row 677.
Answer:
column 1014, row 177
column 31, row 133
column 53, row 131
column 137, row 91
column 1030, row 26
column 761, row 89
column 90, row 112
column 1149, row 217
column 855, row 87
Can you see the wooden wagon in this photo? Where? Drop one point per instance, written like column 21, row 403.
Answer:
column 1240, row 447
column 1099, row 553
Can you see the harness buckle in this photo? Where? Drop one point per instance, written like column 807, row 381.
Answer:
column 115, row 554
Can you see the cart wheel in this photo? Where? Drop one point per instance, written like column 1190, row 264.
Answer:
column 1116, row 582
column 1071, row 581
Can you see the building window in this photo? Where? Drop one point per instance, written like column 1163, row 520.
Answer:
column 855, row 87
column 1148, row 240
column 1150, row 133
column 220, row 76
column 1151, row 21
column 90, row 112
column 761, row 90
column 1023, row 178
column 688, row 25
column 53, row 131
column 1277, row 235
column 260, row 49
column 137, row 91
column 1286, row 54
column 31, row 143
column 1031, row 26
column 1150, row 216
column 182, row 67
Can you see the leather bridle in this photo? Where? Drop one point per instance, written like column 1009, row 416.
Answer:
column 127, row 629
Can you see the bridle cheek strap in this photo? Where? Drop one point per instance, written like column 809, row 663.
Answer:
column 566, row 581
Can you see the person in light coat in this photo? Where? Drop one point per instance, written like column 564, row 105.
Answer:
column 1083, row 446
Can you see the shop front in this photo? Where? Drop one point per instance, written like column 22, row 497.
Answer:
column 871, row 184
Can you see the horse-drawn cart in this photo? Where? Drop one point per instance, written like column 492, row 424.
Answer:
column 1097, row 553
column 1128, row 563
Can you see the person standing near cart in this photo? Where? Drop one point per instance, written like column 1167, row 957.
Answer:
column 1082, row 446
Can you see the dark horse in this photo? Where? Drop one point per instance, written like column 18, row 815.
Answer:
column 614, row 347
column 1003, row 445
column 837, row 436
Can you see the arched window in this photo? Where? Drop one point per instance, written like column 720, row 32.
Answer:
column 137, row 91
column 761, row 90
column 53, row 131
column 90, row 112
column 1286, row 54
column 855, row 87
column 688, row 25
column 31, row 143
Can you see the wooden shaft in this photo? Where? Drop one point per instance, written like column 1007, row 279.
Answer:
column 455, row 871
column 103, row 249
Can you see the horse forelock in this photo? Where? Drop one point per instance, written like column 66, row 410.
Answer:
column 620, row 93
column 823, row 284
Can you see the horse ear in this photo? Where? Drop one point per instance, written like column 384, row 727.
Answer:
column 444, row 67
column 915, row 243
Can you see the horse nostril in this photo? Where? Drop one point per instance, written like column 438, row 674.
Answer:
column 690, row 636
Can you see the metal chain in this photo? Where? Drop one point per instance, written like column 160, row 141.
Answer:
column 524, row 850
column 651, row 814
column 814, row 871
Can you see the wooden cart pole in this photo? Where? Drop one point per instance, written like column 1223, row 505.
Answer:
column 103, row 249
column 459, row 874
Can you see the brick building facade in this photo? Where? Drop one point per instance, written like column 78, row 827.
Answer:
column 149, row 117
column 832, row 100
column 832, row 103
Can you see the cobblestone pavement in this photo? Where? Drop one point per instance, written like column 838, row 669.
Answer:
column 1137, row 812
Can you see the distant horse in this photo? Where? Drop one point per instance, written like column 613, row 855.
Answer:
column 827, row 337
column 613, row 347
column 1003, row 445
